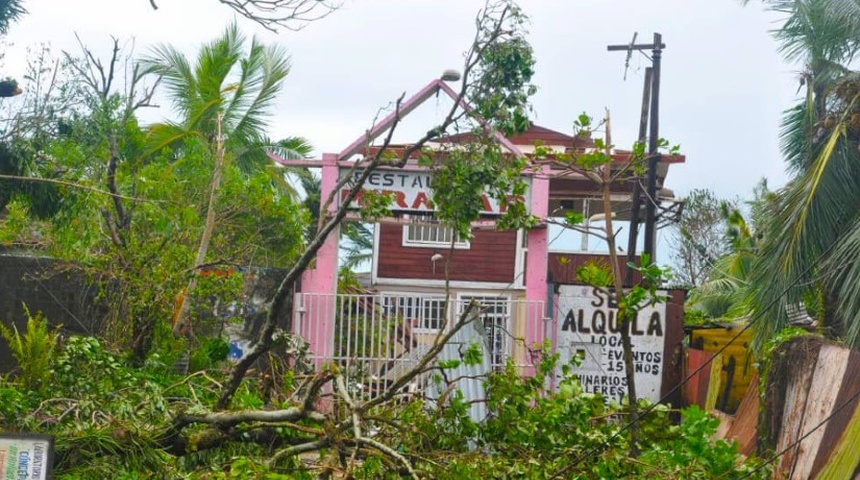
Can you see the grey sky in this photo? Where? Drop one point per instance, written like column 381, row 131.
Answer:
column 723, row 84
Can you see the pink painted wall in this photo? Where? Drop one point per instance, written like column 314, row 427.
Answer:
column 322, row 278
column 536, row 266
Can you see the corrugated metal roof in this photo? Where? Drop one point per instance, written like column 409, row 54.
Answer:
column 468, row 379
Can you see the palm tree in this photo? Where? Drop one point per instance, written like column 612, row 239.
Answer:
column 224, row 98
column 358, row 250
column 233, row 80
column 812, row 240
column 225, row 80
column 724, row 293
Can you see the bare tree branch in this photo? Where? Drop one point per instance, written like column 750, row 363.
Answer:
column 272, row 15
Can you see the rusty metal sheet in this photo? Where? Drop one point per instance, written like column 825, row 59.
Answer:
column 696, row 389
column 744, row 427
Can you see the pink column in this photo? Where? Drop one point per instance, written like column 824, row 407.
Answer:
column 536, row 264
column 319, row 284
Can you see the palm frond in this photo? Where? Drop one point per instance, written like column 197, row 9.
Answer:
column 274, row 65
column 815, row 209
column 842, row 270
column 177, row 76
column 291, row 148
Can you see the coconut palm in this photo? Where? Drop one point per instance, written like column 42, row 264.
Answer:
column 816, row 224
column 229, row 78
column 224, row 98
column 236, row 81
column 724, row 293
column 357, row 250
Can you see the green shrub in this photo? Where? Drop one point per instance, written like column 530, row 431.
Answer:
column 34, row 350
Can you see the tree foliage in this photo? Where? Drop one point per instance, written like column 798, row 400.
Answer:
column 725, row 292
column 811, row 237
column 10, row 12
column 133, row 204
column 698, row 239
column 531, row 431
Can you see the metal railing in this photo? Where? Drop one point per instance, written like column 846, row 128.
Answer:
column 376, row 339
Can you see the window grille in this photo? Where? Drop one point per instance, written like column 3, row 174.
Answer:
column 431, row 235
column 422, row 312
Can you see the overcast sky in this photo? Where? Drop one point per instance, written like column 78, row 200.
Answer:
column 723, row 84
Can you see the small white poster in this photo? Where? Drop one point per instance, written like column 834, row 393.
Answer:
column 25, row 457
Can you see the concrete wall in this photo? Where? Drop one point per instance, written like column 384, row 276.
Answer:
column 58, row 290
column 66, row 297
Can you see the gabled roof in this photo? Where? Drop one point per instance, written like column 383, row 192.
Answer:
column 405, row 108
column 533, row 134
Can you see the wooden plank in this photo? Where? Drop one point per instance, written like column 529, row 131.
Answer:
column 673, row 349
column 714, row 383
column 490, row 258
column 845, row 457
column 837, row 428
column 828, row 373
column 792, row 416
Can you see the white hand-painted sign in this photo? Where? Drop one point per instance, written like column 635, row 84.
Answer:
column 410, row 191
column 588, row 329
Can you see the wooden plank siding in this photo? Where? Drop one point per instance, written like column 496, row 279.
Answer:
column 673, row 350
column 491, row 257
column 562, row 266
column 847, row 403
column 796, row 399
column 812, row 391
column 832, row 362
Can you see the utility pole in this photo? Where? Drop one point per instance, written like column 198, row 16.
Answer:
column 650, row 94
column 636, row 194
column 652, row 90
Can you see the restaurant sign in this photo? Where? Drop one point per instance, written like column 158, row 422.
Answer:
column 588, row 328
column 25, row 456
column 410, row 191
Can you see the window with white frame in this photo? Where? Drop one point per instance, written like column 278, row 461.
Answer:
column 421, row 312
column 431, row 235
